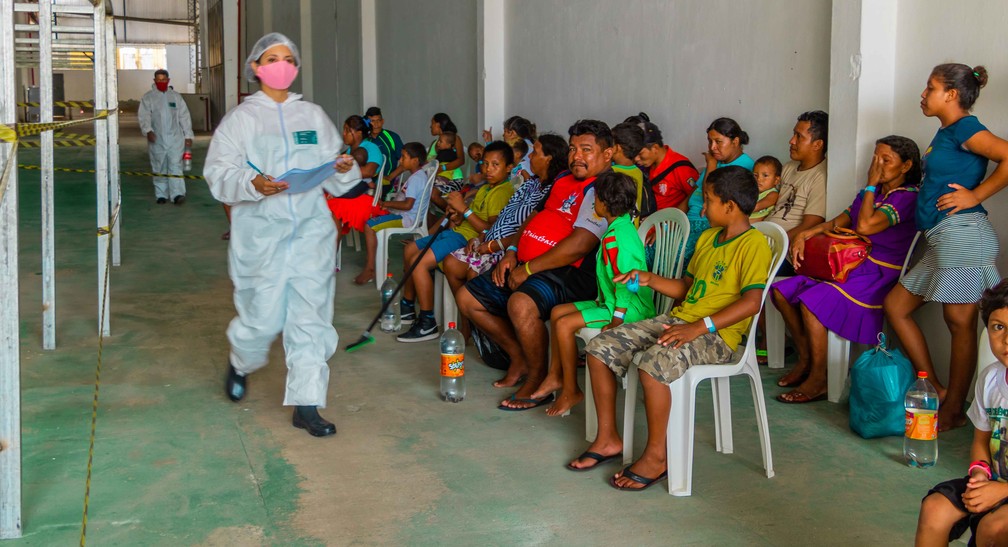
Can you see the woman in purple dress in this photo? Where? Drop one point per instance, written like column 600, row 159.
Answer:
column 884, row 213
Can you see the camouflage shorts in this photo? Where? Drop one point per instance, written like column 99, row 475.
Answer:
column 617, row 348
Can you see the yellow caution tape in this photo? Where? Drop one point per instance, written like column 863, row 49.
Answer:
column 13, row 132
column 63, row 143
column 72, row 104
column 127, row 173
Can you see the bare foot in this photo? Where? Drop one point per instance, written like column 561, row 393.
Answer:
column 549, row 385
column 510, row 381
column 644, row 467
column 564, row 403
column 365, row 277
column 794, row 377
column 949, row 419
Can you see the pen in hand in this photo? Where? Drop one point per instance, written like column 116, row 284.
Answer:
column 269, row 187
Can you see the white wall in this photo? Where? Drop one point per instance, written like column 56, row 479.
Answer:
column 685, row 63
column 930, row 32
column 427, row 64
column 79, row 84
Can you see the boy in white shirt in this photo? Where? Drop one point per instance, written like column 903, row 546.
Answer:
column 402, row 210
column 978, row 501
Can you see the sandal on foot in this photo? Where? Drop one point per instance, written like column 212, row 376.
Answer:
column 636, row 478
column 535, row 403
column 599, row 460
column 796, row 397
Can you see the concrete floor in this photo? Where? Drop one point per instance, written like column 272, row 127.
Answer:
column 176, row 463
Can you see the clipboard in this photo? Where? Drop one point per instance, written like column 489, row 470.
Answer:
column 303, row 180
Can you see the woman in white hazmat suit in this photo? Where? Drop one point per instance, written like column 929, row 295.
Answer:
column 281, row 255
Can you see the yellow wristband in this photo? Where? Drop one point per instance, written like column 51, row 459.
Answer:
column 527, row 270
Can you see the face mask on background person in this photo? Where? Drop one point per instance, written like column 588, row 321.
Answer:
column 161, row 86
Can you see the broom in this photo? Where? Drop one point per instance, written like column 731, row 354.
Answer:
column 366, row 338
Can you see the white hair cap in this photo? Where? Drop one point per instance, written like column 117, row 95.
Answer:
column 264, row 43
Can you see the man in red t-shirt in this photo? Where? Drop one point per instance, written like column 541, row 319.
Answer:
column 550, row 261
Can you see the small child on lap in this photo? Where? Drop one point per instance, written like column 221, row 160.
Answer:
column 621, row 251
column 767, row 171
column 719, row 295
column 978, row 500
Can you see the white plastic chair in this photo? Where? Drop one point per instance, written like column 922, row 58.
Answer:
column 419, row 226
column 672, row 229
column 838, row 349
column 683, row 412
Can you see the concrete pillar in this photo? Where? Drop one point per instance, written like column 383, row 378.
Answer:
column 491, row 67
column 233, row 58
column 862, row 87
column 307, row 66
column 369, row 53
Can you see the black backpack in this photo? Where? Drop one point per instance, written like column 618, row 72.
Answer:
column 649, row 204
column 492, row 354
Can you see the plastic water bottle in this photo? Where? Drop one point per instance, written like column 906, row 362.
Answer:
column 920, row 443
column 390, row 319
column 187, row 159
column 452, row 365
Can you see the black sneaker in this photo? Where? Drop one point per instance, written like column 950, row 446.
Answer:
column 423, row 329
column 179, row 200
column 408, row 317
column 162, row 201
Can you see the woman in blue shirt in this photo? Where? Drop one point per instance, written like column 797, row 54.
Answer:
column 961, row 244
column 725, row 140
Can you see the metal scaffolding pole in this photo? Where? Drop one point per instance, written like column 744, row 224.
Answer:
column 48, row 242
column 102, row 166
column 10, row 356
column 115, row 194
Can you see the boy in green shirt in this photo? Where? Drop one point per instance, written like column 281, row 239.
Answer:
column 621, row 251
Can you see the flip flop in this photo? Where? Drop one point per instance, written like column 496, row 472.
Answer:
column 636, row 478
column 796, row 397
column 599, row 460
column 534, row 402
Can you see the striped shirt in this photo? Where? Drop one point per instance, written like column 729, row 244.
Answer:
column 527, row 198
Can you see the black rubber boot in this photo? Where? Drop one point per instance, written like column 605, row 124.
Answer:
column 234, row 387
column 307, row 417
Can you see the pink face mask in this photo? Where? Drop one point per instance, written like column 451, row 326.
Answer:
column 278, row 75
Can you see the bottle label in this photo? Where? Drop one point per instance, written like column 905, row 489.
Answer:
column 922, row 425
column 453, row 365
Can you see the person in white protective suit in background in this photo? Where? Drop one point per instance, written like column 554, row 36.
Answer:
column 164, row 119
column 281, row 255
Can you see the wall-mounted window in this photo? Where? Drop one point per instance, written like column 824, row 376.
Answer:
column 141, row 57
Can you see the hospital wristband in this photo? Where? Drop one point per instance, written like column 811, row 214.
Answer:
column 873, row 189
column 619, row 315
column 512, row 248
column 710, row 324
column 467, row 213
